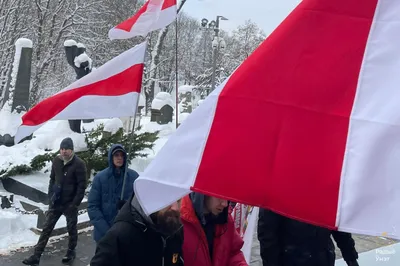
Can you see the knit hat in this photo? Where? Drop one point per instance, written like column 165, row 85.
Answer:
column 67, row 144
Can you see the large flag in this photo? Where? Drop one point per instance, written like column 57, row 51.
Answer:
column 154, row 15
column 111, row 90
column 307, row 126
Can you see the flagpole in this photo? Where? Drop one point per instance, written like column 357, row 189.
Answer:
column 176, row 64
column 131, row 140
column 176, row 97
column 130, row 146
column 176, row 75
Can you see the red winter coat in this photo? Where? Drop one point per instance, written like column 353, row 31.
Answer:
column 227, row 243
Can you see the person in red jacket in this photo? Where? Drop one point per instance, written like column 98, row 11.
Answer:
column 210, row 238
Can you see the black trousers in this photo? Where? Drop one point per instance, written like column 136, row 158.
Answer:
column 52, row 217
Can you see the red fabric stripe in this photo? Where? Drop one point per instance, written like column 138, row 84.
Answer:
column 168, row 3
column 130, row 80
column 279, row 133
column 128, row 24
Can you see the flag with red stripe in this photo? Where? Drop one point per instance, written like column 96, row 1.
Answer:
column 154, row 15
column 111, row 90
column 307, row 126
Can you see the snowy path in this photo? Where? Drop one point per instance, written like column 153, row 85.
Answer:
column 86, row 248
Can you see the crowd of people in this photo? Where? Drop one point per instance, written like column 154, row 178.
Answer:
column 197, row 230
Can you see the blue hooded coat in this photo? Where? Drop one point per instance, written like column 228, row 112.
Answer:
column 106, row 192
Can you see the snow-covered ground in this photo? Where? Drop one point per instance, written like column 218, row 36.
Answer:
column 15, row 227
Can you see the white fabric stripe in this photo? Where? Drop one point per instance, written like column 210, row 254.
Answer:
column 166, row 180
column 370, row 189
column 113, row 67
column 90, row 107
column 147, row 22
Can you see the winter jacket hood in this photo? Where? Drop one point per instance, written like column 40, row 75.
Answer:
column 146, row 219
column 111, row 165
column 198, row 205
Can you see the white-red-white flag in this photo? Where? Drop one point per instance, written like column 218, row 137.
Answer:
column 154, row 15
column 111, row 90
column 307, row 126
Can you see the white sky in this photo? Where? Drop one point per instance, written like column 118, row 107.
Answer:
column 268, row 14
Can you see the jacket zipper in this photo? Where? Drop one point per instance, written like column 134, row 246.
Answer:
column 204, row 241
column 163, row 252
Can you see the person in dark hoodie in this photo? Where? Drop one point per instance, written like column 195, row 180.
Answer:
column 138, row 239
column 66, row 190
column 210, row 235
column 288, row 242
column 105, row 194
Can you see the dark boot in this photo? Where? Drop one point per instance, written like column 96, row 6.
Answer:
column 32, row 260
column 70, row 256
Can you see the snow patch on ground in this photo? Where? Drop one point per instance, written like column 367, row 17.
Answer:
column 39, row 180
column 14, row 230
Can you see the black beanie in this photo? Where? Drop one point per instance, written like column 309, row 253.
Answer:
column 67, row 144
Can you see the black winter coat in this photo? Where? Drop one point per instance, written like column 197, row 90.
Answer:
column 67, row 182
column 288, row 242
column 132, row 241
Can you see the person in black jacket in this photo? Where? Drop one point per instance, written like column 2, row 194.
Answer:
column 138, row 239
column 66, row 190
column 288, row 242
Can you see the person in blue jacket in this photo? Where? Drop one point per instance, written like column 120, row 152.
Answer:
column 104, row 199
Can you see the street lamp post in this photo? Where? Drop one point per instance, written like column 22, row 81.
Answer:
column 217, row 44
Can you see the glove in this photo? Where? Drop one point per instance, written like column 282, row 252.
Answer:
column 120, row 203
column 352, row 263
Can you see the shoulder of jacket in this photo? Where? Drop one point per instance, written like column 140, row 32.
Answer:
column 79, row 160
column 133, row 172
column 101, row 176
column 57, row 158
column 127, row 230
